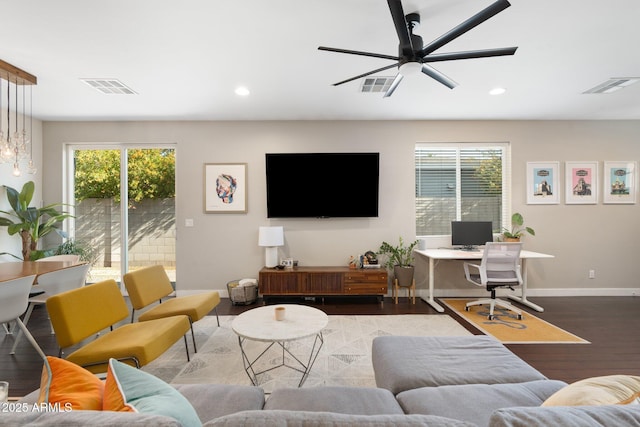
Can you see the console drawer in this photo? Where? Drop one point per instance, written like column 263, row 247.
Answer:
column 365, row 288
column 366, row 277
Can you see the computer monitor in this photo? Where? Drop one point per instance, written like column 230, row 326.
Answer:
column 471, row 234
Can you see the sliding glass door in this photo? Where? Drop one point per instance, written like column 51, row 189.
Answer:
column 123, row 199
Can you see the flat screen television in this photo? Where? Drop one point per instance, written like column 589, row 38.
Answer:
column 470, row 234
column 322, row 185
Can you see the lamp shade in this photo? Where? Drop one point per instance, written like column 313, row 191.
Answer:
column 271, row 236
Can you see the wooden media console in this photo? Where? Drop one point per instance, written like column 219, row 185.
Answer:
column 322, row 281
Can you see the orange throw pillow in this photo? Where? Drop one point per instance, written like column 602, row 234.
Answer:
column 70, row 386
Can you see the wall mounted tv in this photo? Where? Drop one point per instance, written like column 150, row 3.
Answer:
column 322, row 185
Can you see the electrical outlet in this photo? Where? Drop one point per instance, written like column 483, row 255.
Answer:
column 592, row 274
column 188, row 222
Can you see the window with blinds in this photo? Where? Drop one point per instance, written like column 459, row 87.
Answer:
column 460, row 182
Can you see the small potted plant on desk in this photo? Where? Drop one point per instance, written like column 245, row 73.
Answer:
column 399, row 259
column 517, row 229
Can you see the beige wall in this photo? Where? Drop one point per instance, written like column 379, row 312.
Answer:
column 222, row 247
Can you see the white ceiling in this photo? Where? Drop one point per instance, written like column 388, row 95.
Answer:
column 184, row 59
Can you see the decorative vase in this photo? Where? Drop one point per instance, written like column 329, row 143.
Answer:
column 404, row 274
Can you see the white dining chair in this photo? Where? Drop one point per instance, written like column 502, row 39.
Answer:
column 58, row 258
column 14, row 299
column 50, row 284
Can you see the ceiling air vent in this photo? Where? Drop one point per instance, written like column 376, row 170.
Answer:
column 376, row 84
column 613, row 84
column 109, row 86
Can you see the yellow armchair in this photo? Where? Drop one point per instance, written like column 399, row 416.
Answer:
column 81, row 313
column 150, row 284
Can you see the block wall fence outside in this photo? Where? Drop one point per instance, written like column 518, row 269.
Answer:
column 152, row 231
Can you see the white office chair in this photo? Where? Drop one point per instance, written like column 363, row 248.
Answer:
column 14, row 297
column 67, row 257
column 500, row 268
column 53, row 283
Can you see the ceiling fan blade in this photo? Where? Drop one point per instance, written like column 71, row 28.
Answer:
column 437, row 75
column 485, row 53
column 358, row 52
column 393, row 86
column 467, row 25
column 366, row 74
column 397, row 13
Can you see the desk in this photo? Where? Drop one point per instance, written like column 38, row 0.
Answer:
column 16, row 270
column 436, row 255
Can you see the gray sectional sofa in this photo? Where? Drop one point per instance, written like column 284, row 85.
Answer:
column 422, row 381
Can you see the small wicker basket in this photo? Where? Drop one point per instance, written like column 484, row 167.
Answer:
column 242, row 295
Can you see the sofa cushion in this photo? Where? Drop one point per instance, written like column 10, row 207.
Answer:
column 475, row 402
column 330, row 419
column 582, row 416
column 216, row 400
column 607, row 390
column 343, row 400
column 70, row 386
column 128, row 389
column 404, row 363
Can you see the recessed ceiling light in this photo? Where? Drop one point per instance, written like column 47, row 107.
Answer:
column 242, row 91
column 497, row 91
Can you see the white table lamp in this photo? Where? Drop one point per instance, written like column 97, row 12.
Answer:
column 271, row 238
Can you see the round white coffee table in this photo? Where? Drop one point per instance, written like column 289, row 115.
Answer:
column 260, row 324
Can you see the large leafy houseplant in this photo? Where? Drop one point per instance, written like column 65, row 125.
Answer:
column 29, row 222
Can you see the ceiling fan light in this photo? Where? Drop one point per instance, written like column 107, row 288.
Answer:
column 410, row 68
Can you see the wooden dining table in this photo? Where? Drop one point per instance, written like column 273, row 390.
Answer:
column 16, row 270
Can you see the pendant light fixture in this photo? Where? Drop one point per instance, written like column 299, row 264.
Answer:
column 16, row 147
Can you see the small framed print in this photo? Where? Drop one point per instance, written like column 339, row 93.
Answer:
column 225, row 188
column 620, row 182
column 543, row 183
column 581, row 183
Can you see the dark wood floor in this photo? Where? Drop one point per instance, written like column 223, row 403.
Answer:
column 611, row 324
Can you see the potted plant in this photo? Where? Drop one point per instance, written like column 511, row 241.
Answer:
column 399, row 259
column 31, row 223
column 517, row 229
column 76, row 247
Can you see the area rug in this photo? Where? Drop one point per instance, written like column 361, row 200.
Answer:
column 508, row 329
column 344, row 360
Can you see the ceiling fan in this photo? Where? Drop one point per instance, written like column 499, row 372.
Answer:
column 414, row 57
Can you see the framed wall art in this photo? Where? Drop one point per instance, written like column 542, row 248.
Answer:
column 581, row 182
column 620, row 182
column 225, row 187
column 543, row 183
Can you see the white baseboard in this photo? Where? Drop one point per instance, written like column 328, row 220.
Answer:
column 184, row 292
column 557, row 292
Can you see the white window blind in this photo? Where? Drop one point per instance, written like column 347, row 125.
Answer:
column 460, row 182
